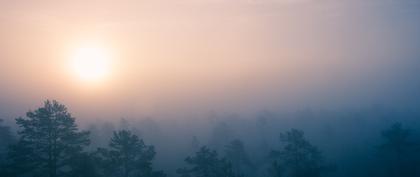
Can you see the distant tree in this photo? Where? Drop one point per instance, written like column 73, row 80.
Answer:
column 221, row 135
column 262, row 124
column 397, row 139
column 49, row 139
column 237, row 156
column 298, row 157
column 195, row 144
column 128, row 156
column 124, row 124
column 6, row 138
column 398, row 153
column 276, row 169
column 102, row 135
column 206, row 163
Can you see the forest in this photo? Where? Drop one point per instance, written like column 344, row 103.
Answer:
column 210, row 88
column 374, row 141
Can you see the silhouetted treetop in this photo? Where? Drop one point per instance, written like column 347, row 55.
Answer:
column 297, row 158
column 206, row 163
column 128, row 156
column 49, row 138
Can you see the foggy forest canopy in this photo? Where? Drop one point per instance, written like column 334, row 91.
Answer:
column 374, row 141
column 210, row 88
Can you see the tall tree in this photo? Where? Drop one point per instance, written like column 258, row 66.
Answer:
column 238, row 157
column 128, row 156
column 298, row 157
column 262, row 124
column 84, row 165
column 49, row 138
column 206, row 163
column 221, row 135
column 398, row 153
column 195, row 144
column 6, row 138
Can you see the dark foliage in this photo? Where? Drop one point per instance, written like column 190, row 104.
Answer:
column 238, row 157
column 6, row 138
column 398, row 152
column 49, row 144
column 128, row 156
column 49, row 139
column 206, row 163
column 298, row 157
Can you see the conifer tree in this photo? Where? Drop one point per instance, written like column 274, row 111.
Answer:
column 128, row 156
column 206, row 163
column 298, row 157
column 238, row 157
column 48, row 139
column 398, row 154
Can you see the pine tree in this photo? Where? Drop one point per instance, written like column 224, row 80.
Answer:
column 195, row 144
column 128, row 156
column 298, row 158
column 6, row 138
column 206, row 163
column 84, row 165
column 398, row 153
column 221, row 135
column 236, row 154
column 49, row 139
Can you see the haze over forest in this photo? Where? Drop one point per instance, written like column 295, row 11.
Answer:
column 239, row 85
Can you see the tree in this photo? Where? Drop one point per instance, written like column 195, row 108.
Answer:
column 128, row 156
column 221, row 135
column 206, row 163
column 84, row 165
column 396, row 139
column 49, row 138
column 398, row 153
column 236, row 154
column 6, row 138
column 298, row 157
column 195, row 144
column 262, row 124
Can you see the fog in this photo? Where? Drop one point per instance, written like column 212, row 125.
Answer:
column 194, row 73
column 213, row 55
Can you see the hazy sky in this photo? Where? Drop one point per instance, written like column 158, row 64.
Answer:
column 228, row 55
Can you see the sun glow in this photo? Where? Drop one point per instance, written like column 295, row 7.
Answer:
column 91, row 63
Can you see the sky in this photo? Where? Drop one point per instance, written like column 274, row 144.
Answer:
column 201, row 55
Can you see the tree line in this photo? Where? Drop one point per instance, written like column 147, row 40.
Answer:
column 50, row 144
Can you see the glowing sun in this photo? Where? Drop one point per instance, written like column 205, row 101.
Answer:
column 90, row 63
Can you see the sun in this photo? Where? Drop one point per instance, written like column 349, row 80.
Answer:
column 91, row 63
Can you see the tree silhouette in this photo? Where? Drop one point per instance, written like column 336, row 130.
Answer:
column 221, row 135
column 128, row 156
column 49, row 138
column 84, row 165
column 262, row 125
column 195, row 144
column 298, row 157
column 398, row 153
column 237, row 156
column 206, row 163
column 6, row 138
